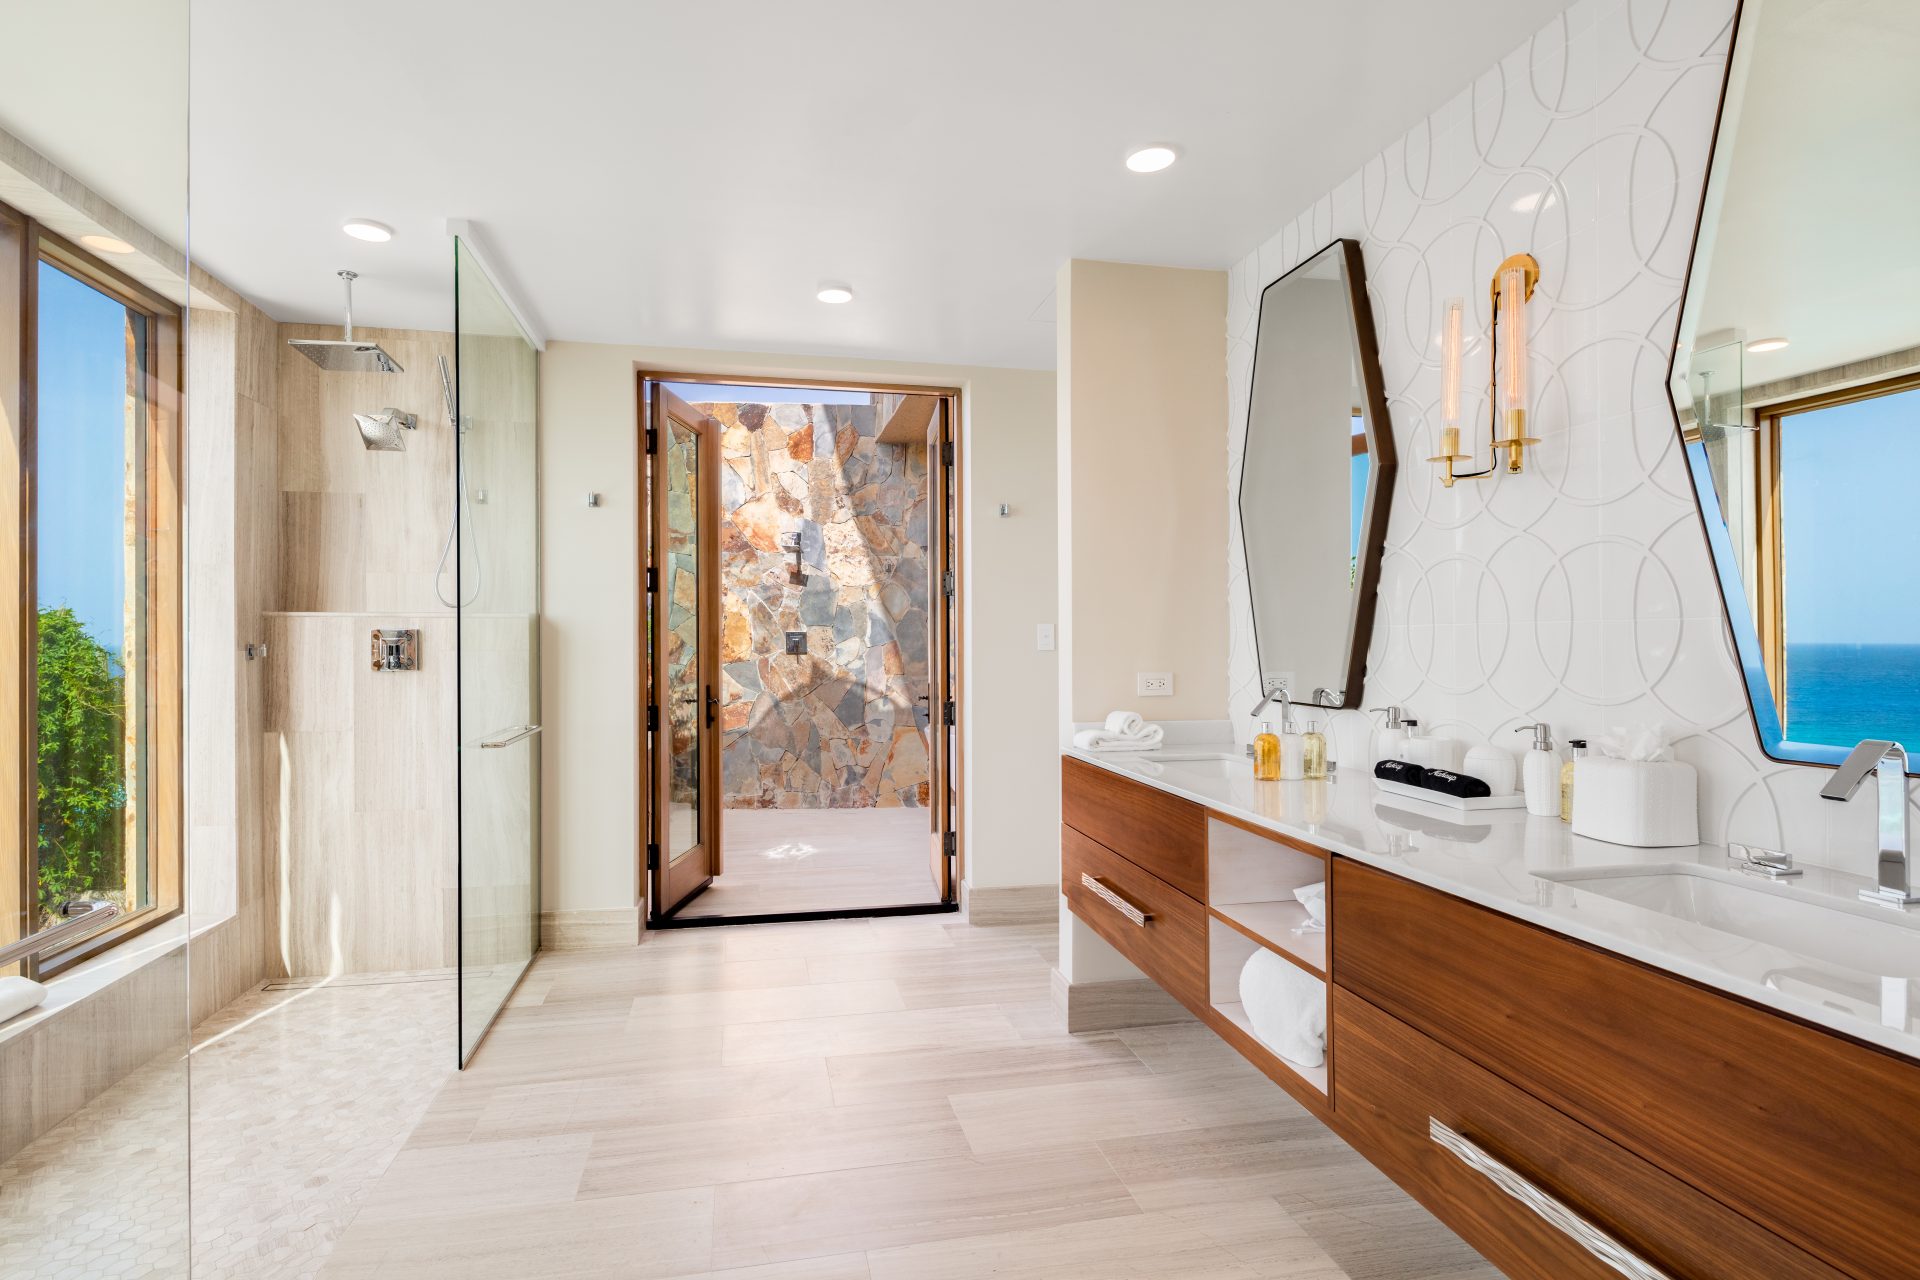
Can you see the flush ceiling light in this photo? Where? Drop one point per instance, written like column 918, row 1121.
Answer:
column 835, row 293
column 105, row 244
column 1152, row 159
column 1760, row 346
column 363, row 229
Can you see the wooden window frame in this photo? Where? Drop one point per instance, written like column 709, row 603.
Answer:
column 1770, row 619
column 160, row 645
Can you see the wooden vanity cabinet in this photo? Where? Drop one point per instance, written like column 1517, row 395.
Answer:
column 1711, row 1138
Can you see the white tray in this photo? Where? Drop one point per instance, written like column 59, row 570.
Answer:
column 1445, row 801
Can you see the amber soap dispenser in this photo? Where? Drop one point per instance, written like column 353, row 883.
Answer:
column 1266, row 754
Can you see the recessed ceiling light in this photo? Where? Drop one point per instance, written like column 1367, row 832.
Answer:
column 835, row 293
column 106, row 244
column 363, row 229
column 1152, row 159
column 1760, row 346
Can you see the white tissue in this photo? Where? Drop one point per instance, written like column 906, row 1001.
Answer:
column 1645, row 743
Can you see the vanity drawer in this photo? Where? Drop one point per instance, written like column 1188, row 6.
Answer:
column 1805, row 1131
column 1163, row 833
column 1169, row 944
column 1395, row 1083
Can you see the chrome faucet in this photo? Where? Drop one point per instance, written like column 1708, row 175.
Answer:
column 1888, row 761
column 1280, row 696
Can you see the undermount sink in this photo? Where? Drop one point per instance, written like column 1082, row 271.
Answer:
column 1867, row 939
column 1208, row 764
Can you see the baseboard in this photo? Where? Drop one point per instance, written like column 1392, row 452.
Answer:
column 589, row 930
column 1108, row 1006
column 1019, row 904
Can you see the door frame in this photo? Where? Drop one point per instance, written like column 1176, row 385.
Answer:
column 953, row 411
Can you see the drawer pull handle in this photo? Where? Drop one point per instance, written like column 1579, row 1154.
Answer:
column 1602, row 1246
column 1114, row 900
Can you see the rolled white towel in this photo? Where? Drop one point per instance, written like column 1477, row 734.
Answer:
column 1287, row 1007
column 1125, row 724
column 1148, row 739
column 17, row 995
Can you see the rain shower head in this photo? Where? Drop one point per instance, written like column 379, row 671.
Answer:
column 344, row 355
column 381, row 430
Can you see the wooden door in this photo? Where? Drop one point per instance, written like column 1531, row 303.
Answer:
column 683, row 852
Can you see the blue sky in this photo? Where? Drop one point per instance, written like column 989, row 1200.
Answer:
column 1846, row 501
column 82, row 436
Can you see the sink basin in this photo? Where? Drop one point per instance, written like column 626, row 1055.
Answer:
column 1196, row 757
column 1864, row 938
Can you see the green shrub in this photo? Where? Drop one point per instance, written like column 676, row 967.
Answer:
column 82, row 776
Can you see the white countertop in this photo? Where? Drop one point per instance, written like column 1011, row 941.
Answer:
column 1491, row 857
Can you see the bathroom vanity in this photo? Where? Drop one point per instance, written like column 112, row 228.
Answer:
column 1588, row 1060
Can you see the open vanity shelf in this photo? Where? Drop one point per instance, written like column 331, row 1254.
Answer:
column 1251, row 906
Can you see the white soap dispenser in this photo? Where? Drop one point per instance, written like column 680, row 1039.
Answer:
column 1390, row 741
column 1540, row 772
column 1293, row 749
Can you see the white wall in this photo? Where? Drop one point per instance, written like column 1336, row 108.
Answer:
column 1581, row 592
column 589, row 560
column 1142, row 351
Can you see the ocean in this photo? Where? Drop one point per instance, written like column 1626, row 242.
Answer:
column 1840, row 693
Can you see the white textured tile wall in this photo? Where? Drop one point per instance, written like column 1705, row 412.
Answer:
column 1580, row 592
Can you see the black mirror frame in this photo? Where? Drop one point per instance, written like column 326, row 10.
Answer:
column 1380, row 477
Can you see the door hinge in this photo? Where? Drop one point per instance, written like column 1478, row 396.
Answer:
column 949, row 714
column 653, row 718
column 653, row 856
column 653, row 440
column 951, row 843
column 653, row 578
column 949, row 583
column 946, row 453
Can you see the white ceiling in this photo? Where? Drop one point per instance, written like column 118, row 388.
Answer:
column 1813, row 234
column 688, row 173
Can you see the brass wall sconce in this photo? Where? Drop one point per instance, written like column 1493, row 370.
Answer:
column 1511, row 290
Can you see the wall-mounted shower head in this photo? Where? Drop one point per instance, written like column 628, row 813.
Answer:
column 344, row 355
column 381, row 429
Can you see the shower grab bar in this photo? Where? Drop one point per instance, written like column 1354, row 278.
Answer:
column 507, row 737
column 81, row 916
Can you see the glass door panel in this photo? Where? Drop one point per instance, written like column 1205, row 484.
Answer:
column 497, row 581
column 685, row 653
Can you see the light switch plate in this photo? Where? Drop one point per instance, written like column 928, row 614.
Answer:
column 1153, row 684
column 1043, row 637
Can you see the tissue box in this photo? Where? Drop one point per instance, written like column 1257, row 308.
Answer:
column 1648, row 805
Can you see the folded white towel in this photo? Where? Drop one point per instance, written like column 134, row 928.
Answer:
column 1314, row 898
column 1148, row 739
column 1287, row 1007
column 1125, row 724
column 17, row 995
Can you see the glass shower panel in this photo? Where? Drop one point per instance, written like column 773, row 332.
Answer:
column 499, row 621
column 95, row 1016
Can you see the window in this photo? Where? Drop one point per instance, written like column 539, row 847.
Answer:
column 97, row 692
column 1840, row 608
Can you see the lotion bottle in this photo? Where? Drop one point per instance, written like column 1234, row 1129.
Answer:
column 1578, row 747
column 1266, row 755
column 1540, row 772
column 1313, row 751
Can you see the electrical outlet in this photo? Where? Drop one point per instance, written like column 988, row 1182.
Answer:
column 1153, row 684
column 1043, row 637
column 1275, row 681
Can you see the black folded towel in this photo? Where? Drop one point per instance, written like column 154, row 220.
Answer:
column 1456, row 784
column 1400, row 771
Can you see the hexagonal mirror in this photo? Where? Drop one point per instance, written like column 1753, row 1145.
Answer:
column 1796, row 372
column 1315, row 480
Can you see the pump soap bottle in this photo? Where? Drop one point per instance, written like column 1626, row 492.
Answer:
column 1391, row 738
column 1266, row 755
column 1540, row 772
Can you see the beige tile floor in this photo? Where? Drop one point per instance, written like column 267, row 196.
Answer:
column 866, row 1100
column 779, row 860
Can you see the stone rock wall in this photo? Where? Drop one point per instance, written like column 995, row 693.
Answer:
column 843, row 725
